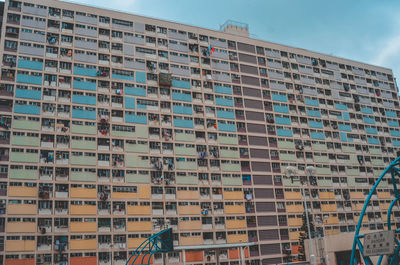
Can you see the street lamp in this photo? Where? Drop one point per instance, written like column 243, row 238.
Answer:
column 323, row 219
column 291, row 172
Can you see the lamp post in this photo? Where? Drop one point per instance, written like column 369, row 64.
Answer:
column 291, row 172
column 323, row 219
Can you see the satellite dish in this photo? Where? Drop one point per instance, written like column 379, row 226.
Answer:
column 310, row 170
column 291, row 171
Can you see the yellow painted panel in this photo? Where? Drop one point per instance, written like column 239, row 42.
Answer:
column 15, row 191
column 190, row 225
column 21, row 227
column 295, row 208
column 138, row 210
column 188, row 195
column 83, row 209
column 236, row 224
column 139, row 226
column 21, row 209
column 189, row 209
column 328, row 207
column 191, row 241
column 294, row 235
column 233, row 195
column 124, row 195
column 82, row 244
column 357, row 206
column 236, row 238
column 326, row 195
column 333, row 220
column 135, row 242
column 144, row 192
column 83, row 193
column 383, row 195
column 234, row 209
column 295, row 221
column 20, row 245
column 365, row 219
column 292, row 195
column 384, row 206
column 83, row 227
column 356, row 195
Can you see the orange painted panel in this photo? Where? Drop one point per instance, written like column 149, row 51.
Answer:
column 19, row 262
column 83, row 260
column 295, row 249
column 233, row 195
column 22, row 209
column 234, row 209
column 21, row 227
column 235, row 253
column 83, row 227
column 83, row 209
column 144, row 192
column 83, row 193
column 138, row 210
column 139, row 260
column 194, row 256
column 22, row 191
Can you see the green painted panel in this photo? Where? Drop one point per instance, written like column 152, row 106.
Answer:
column 142, row 131
column 130, row 160
column 323, row 171
column 122, row 134
column 286, row 145
column 353, row 171
column 83, row 176
column 187, row 180
column 182, row 150
column 287, row 157
column 377, row 162
column 321, row 159
column 83, row 129
column 289, row 182
column 186, row 165
column 137, row 148
column 81, row 144
column 228, row 140
column 24, row 157
column 26, row 125
column 229, row 153
column 383, row 184
column 351, row 181
column 353, row 159
column 325, row 182
column 23, row 174
column 375, row 151
column 348, row 149
column 230, row 167
column 138, row 178
column 232, row 181
column 318, row 147
column 185, row 137
column 25, row 140
column 377, row 172
column 84, row 160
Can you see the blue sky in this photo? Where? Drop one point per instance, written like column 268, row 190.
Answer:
column 362, row 30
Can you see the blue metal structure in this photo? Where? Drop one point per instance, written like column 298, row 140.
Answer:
column 394, row 170
column 160, row 242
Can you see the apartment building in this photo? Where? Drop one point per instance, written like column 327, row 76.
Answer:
column 115, row 126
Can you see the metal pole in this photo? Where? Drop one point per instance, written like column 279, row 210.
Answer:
column 312, row 256
column 242, row 255
column 184, row 257
column 325, row 245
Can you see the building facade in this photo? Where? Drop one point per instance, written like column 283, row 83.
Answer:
column 115, row 126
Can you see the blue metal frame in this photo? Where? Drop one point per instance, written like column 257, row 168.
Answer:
column 160, row 242
column 395, row 172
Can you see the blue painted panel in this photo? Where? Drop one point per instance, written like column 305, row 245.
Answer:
column 344, row 127
column 395, row 133
column 284, row 132
column 84, row 114
column 343, row 136
column 366, row 110
column 141, row 77
column 80, row 99
column 317, row 135
column 140, row 106
column 315, row 124
column 84, row 85
column 281, row 109
column 135, row 91
column 393, row 123
column 371, row 130
column 369, row 120
column 25, row 93
column 181, row 97
column 85, row 71
column 123, row 77
column 396, row 142
column 181, row 84
column 373, row 140
column 223, row 90
column 30, row 64
column 27, row 109
column 182, row 110
column 132, row 118
column 312, row 102
column 346, row 116
column 183, row 123
column 391, row 114
column 340, row 106
column 277, row 97
column 283, row 120
column 224, row 102
column 29, row 79
column 225, row 114
column 226, row 127
column 129, row 102
column 314, row 113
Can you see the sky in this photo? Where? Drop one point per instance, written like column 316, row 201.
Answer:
column 361, row 30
